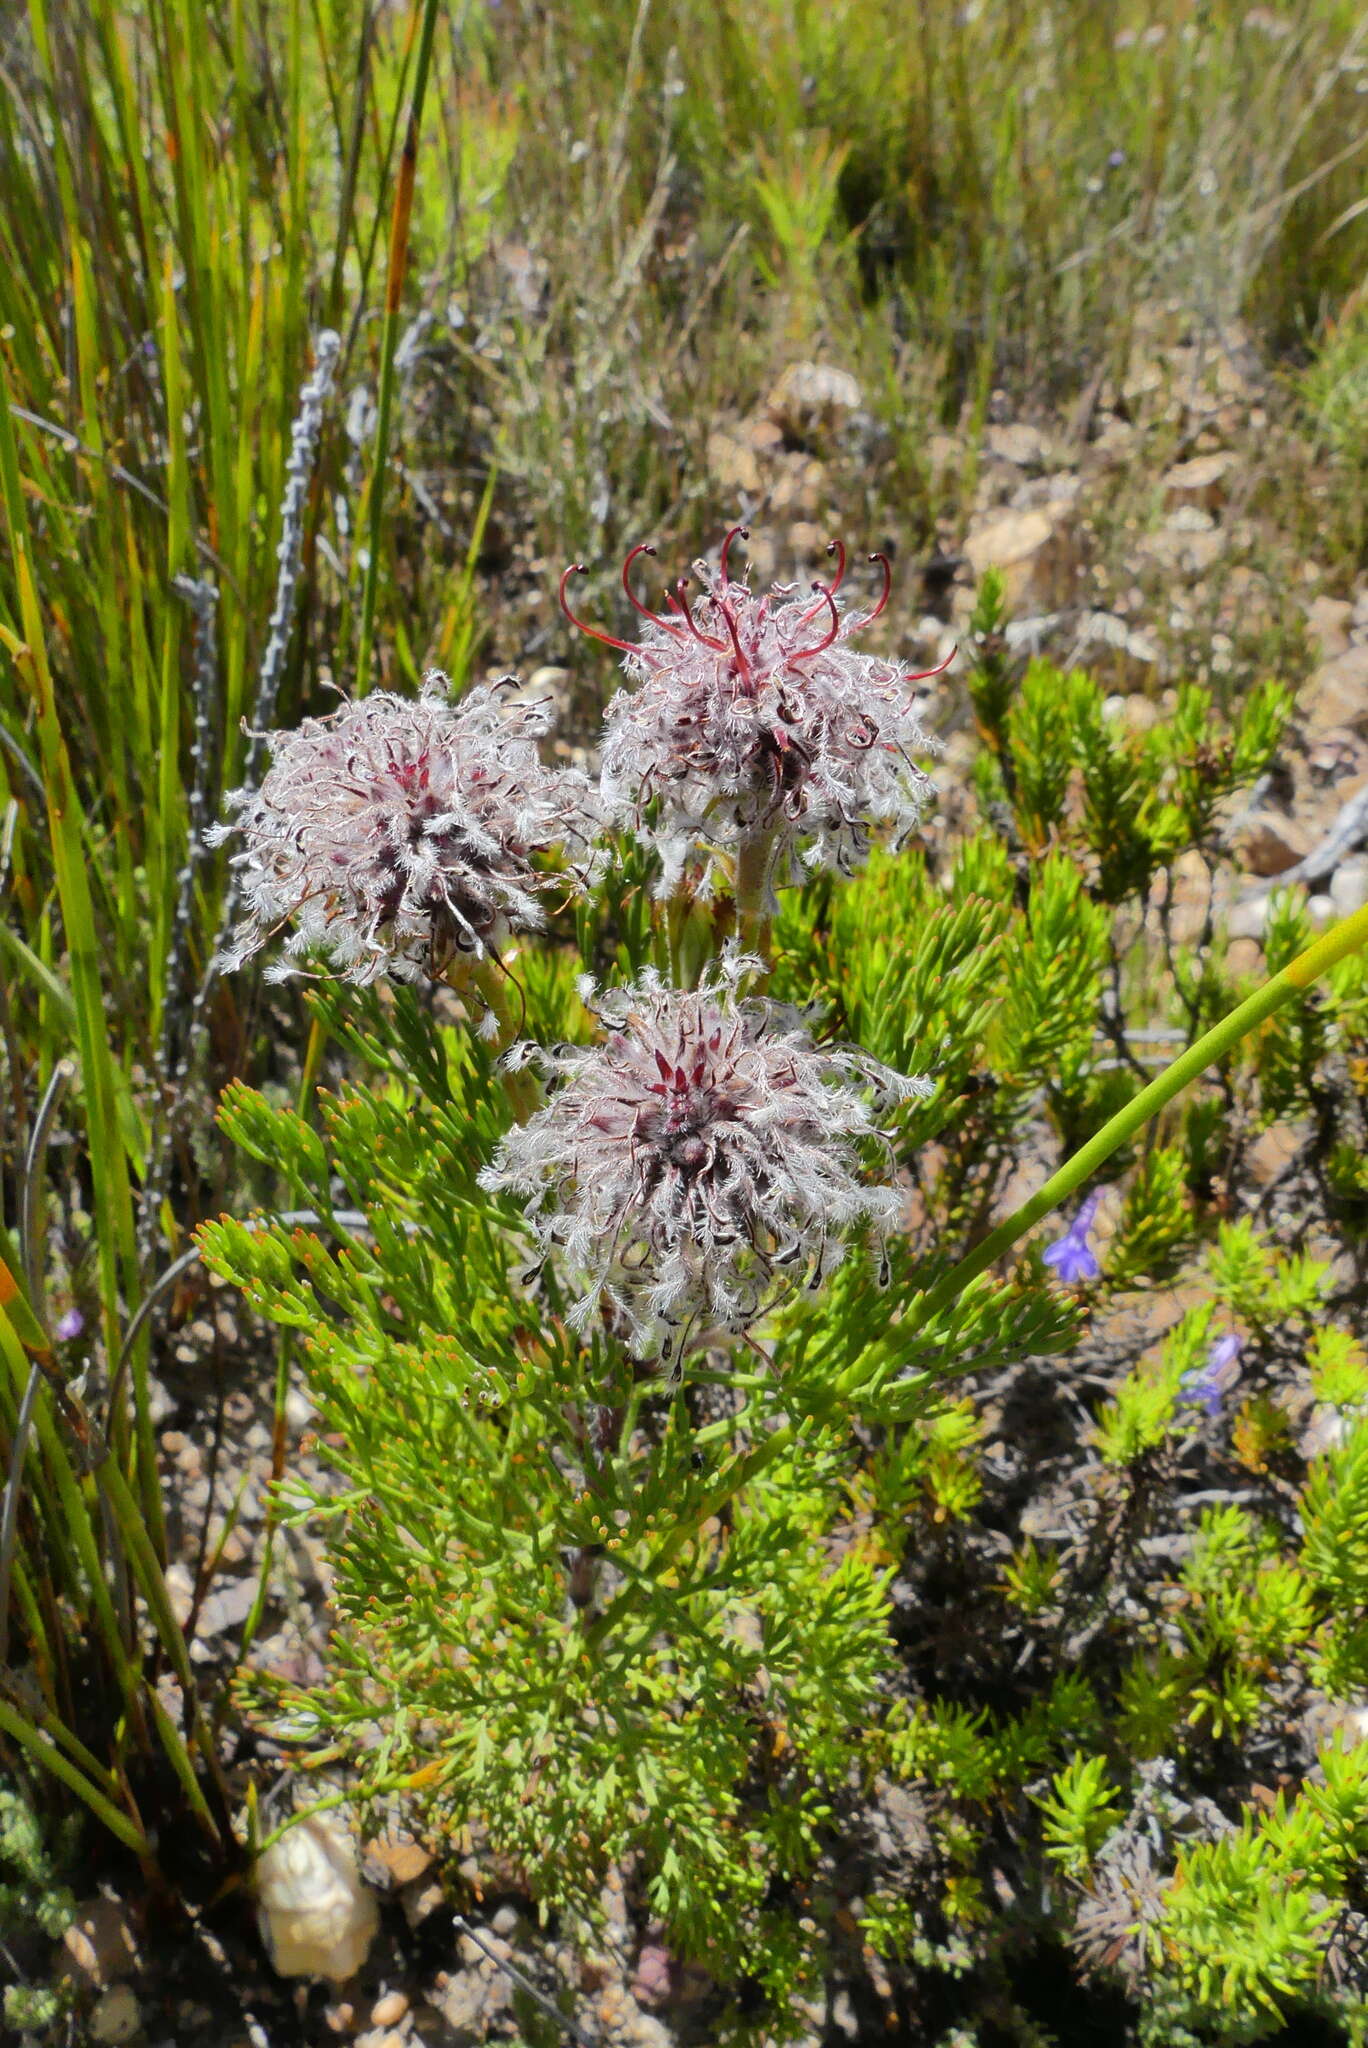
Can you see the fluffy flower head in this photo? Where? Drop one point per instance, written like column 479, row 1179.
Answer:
column 755, row 720
column 398, row 832
column 699, row 1155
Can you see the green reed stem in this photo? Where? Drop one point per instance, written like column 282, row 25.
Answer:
column 394, row 292
column 754, row 861
column 1318, row 958
column 45, row 1752
column 493, row 983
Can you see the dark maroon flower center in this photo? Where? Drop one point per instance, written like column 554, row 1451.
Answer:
column 688, row 1105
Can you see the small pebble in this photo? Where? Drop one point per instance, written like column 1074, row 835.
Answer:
column 421, row 1899
column 1349, row 885
column 389, row 2010
column 100, row 1943
column 117, row 2015
column 506, row 1920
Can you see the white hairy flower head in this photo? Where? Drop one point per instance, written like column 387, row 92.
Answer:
column 398, row 832
column 755, row 721
column 701, row 1155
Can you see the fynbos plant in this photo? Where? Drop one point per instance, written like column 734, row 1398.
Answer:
column 757, row 730
column 703, row 1154
column 761, row 1630
column 396, row 834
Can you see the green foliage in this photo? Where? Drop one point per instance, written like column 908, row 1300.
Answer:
column 32, row 1887
column 1156, row 1217
column 1247, row 1914
column 200, row 196
column 1333, row 391
column 1079, row 1813
column 653, row 1624
column 1144, row 1408
column 1262, row 1286
column 1335, row 1522
column 679, row 1635
column 34, row 1897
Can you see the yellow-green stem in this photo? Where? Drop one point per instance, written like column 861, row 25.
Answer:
column 1318, row 958
column 754, row 860
column 493, row 983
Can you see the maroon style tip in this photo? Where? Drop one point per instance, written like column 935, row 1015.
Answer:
column 836, row 548
column 887, row 568
column 644, row 547
column 820, row 647
column 679, row 601
column 923, row 674
column 593, row 633
column 736, row 533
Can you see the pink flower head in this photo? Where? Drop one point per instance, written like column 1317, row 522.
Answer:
column 399, row 832
column 703, row 1152
column 756, row 721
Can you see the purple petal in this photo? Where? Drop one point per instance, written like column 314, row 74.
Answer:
column 1072, row 1256
column 1072, row 1259
column 1206, row 1386
column 1224, row 1352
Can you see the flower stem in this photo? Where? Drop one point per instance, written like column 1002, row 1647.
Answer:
column 1325, row 953
column 520, row 1085
column 754, row 859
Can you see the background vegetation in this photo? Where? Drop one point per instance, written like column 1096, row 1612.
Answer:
column 619, row 227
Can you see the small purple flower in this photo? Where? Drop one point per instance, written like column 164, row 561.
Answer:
column 69, row 1326
column 1072, row 1257
column 1207, row 1385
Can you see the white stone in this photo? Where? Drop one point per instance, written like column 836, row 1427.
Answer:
column 1248, row 917
column 1115, row 652
column 1269, row 843
column 1337, row 694
column 1349, row 885
column 1200, row 482
column 316, row 1916
column 1020, row 444
column 100, row 1943
column 811, row 398
column 1327, row 621
column 732, row 465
